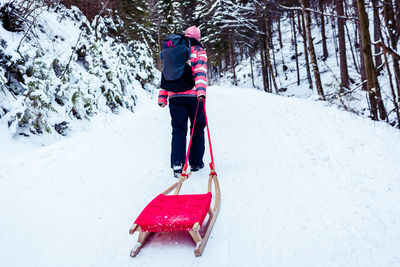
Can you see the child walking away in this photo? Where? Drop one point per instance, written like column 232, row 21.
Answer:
column 183, row 83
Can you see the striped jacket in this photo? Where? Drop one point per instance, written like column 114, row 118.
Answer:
column 198, row 60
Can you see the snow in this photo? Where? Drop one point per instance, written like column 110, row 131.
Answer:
column 303, row 184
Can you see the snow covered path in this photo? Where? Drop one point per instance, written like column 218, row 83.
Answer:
column 302, row 185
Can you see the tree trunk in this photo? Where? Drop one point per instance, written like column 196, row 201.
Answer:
column 251, row 68
column 334, row 39
column 219, row 69
column 295, row 48
column 271, row 70
column 372, row 79
column 352, row 50
column 397, row 16
column 227, row 60
column 281, row 48
column 263, row 68
column 266, row 60
column 305, row 52
column 377, row 37
column 394, row 37
column 353, row 55
column 307, row 29
column 323, row 34
column 280, row 33
column 344, row 74
column 232, row 57
column 267, row 63
column 271, row 46
column 362, row 63
column 395, row 102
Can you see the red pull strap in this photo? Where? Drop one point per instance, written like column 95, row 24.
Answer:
column 190, row 142
column 209, row 137
column 191, row 137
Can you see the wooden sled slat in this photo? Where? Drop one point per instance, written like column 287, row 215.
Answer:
column 212, row 215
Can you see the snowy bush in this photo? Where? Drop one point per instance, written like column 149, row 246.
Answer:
column 58, row 68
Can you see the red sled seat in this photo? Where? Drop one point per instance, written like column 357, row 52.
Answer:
column 168, row 213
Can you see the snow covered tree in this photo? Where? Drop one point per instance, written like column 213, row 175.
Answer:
column 208, row 17
column 171, row 18
column 136, row 17
column 188, row 6
column 225, row 25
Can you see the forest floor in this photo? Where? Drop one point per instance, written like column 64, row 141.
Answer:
column 302, row 184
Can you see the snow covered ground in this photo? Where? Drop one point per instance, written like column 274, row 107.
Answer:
column 302, row 185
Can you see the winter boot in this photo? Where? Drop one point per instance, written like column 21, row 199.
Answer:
column 195, row 168
column 177, row 168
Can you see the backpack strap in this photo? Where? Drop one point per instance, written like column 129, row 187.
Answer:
column 189, row 48
column 189, row 45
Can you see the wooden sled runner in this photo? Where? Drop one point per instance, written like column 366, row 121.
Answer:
column 174, row 212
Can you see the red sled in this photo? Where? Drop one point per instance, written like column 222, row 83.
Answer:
column 174, row 212
column 169, row 213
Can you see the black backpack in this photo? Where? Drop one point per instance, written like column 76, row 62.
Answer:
column 176, row 75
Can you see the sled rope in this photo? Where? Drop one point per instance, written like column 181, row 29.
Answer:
column 190, row 142
column 209, row 139
column 191, row 138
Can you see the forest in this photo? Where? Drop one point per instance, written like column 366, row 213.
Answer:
column 365, row 36
column 302, row 128
column 345, row 51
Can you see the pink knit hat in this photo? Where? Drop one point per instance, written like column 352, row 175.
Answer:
column 193, row 32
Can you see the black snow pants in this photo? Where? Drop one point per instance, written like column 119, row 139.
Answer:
column 182, row 109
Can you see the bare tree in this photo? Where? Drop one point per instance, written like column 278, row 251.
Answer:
column 307, row 19
column 374, row 91
column 323, row 34
column 344, row 74
column 303, row 32
column 295, row 47
column 377, row 36
column 394, row 35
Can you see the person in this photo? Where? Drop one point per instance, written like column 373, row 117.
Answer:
column 182, row 106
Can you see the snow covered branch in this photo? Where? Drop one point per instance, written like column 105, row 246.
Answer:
column 318, row 12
